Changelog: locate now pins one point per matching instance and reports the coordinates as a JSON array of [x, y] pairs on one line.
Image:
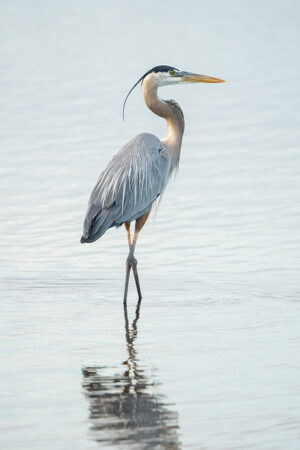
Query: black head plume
[[155, 69]]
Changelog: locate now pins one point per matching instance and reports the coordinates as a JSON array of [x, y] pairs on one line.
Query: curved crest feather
[[155, 69]]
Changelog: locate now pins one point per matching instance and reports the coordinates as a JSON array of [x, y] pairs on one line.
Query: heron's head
[[166, 75]]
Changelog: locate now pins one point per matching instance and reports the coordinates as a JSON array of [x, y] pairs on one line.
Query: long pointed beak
[[195, 78]]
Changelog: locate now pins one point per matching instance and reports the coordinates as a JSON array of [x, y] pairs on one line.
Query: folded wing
[[129, 185]]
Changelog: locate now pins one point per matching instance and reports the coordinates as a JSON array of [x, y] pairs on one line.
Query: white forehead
[[163, 78]]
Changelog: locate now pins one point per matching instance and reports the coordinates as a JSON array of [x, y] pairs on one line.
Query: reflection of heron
[[124, 410], [138, 174]]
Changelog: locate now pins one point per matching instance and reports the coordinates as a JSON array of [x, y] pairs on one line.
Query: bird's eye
[[171, 72]]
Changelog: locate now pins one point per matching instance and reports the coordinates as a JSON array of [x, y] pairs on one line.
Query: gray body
[[126, 189]]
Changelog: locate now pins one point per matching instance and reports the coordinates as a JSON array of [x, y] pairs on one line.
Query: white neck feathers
[[170, 111]]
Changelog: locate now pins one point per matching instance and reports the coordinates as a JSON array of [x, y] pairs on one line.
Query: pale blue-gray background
[[219, 263]]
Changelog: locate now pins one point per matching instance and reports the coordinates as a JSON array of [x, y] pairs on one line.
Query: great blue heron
[[140, 171]]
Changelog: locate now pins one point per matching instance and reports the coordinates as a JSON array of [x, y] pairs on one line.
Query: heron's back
[[126, 189]]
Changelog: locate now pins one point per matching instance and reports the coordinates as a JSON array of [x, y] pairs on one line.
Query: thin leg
[[127, 226], [136, 279], [128, 268], [131, 261]]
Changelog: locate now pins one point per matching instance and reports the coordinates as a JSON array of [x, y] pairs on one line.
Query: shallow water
[[211, 357]]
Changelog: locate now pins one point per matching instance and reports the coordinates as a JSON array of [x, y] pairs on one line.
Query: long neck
[[173, 117]]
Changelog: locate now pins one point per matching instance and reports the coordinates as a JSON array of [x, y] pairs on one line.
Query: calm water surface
[[210, 358]]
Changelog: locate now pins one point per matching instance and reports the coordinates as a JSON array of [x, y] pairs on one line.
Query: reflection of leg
[[132, 371], [134, 322], [137, 315]]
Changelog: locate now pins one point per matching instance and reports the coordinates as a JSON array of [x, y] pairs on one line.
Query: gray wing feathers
[[126, 189]]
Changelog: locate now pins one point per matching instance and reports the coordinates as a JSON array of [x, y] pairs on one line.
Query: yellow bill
[[195, 78]]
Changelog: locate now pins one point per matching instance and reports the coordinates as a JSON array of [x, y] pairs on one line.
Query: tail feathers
[[100, 223]]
